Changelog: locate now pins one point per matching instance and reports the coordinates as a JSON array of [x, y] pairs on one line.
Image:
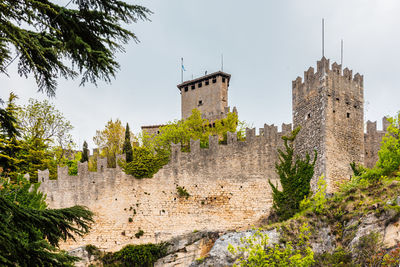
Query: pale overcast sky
[[266, 45]]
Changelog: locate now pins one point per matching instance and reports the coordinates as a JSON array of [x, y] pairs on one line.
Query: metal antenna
[[341, 52], [222, 62], [182, 69], [323, 37]]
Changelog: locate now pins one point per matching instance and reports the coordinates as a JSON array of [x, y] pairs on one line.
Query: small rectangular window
[[186, 89], [214, 80], [199, 85], [348, 115], [193, 87], [200, 102], [207, 82], [223, 79]]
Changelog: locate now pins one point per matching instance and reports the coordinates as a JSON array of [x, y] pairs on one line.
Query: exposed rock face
[[185, 249], [219, 254]]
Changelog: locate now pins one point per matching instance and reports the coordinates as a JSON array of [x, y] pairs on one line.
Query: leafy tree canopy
[[41, 120], [111, 140], [53, 41]]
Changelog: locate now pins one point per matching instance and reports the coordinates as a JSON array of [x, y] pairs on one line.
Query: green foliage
[[47, 36], [30, 233], [9, 131], [110, 140], [41, 120], [22, 192], [388, 163], [35, 155], [389, 154], [85, 152], [182, 192], [340, 257], [92, 250], [139, 233], [295, 175], [194, 128], [144, 163], [255, 251], [316, 203], [155, 150], [136, 255], [366, 248], [72, 163], [8, 120], [127, 147]]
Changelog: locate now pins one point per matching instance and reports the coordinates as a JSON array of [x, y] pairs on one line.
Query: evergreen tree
[[295, 175], [85, 152], [9, 144], [30, 233], [127, 148], [47, 36]]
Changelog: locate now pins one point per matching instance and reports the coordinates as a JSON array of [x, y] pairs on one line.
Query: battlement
[[222, 180], [372, 126], [372, 141], [327, 76], [269, 138]]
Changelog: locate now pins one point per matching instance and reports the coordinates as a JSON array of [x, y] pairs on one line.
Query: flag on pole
[[183, 67]]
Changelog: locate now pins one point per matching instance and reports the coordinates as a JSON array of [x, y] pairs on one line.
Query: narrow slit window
[[200, 85], [207, 82], [348, 115], [186, 89], [193, 87], [223, 79], [309, 115]]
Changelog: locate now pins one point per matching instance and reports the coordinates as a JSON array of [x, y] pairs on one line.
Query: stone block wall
[[328, 106], [228, 187], [372, 141]]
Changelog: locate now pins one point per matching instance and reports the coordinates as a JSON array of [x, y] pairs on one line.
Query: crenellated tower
[[328, 105]]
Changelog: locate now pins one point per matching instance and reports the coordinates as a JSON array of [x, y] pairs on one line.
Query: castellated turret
[[328, 105], [209, 94]]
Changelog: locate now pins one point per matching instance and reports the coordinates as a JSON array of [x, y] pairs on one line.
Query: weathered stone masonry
[[228, 185]]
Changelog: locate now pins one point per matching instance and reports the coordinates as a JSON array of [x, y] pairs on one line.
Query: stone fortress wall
[[228, 187], [228, 184]]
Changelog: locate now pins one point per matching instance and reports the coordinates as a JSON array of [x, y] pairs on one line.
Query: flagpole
[[182, 69]]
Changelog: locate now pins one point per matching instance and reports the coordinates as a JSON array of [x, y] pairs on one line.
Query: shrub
[[340, 257], [389, 154], [318, 201], [255, 251], [182, 192], [366, 250], [92, 250], [139, 234], [136, 255], [295, 175], [144, 163]]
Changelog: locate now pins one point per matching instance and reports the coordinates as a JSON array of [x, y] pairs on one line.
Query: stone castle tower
[[328, 105], [209, 94]]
